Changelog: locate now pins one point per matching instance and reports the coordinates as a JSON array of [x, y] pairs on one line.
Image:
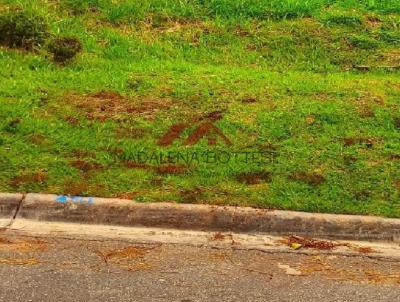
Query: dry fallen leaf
[[289, 270], [296, 246]]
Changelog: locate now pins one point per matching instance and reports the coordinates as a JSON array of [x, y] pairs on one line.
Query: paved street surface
[[49, 268]]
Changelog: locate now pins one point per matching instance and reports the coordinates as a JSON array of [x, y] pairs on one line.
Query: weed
[[252, 178], [85, 166], [22, 29], [64, 49]]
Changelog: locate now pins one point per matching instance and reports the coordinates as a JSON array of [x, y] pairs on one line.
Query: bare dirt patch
[[252, 178], [213, 116], [127, 195], [135, 165], [76, 187], [171, 169], [86, 166], [249, 100], [118, 152], [130, 132], [366, 111], [373, 22], [72, 120], [22, 246], [108, 95], [160, 169], [310, 178], [29, 177], [394, 157], [350, 141], [111, 105]]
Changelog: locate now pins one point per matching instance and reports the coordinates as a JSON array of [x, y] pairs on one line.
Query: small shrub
[[64, 49], [22, 30]]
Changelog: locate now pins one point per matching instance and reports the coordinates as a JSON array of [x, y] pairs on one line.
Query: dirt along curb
[[93, 210]]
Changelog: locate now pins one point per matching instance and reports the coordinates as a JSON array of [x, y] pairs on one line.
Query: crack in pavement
[[16, 211]]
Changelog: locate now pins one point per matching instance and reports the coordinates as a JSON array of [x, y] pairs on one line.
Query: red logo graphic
[[205, 129]]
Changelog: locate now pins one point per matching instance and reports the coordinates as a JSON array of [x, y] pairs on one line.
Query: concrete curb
[[9, 203], [46, 207]]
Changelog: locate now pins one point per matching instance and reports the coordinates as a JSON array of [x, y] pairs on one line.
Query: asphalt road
[[55, 269]]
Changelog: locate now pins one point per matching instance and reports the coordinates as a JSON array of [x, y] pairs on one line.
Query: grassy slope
[[336, 130]]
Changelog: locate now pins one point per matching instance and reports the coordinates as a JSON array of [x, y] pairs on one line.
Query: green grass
[[283, 74]]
